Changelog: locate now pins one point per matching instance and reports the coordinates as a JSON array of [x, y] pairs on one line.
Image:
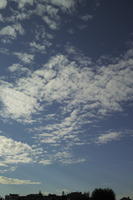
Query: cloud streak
[[108, 137], [14, 181]]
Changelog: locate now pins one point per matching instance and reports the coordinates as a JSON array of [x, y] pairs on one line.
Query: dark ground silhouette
[[97, 194]]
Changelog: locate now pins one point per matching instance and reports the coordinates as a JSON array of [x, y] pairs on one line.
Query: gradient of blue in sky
[[66, 96]]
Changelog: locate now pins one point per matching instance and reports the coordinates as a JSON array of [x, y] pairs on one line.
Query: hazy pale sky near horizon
[[66, 95]]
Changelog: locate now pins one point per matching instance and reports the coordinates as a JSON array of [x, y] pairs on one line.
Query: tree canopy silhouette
[[103, 194]]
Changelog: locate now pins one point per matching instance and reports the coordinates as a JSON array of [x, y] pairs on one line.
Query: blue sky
[[66, 96]]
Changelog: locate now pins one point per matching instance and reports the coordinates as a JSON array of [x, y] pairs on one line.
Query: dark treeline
[[97, 194]]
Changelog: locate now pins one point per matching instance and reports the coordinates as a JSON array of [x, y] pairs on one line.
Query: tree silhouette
[[125, 198], [97, 194], [78, 196], [103, 194]]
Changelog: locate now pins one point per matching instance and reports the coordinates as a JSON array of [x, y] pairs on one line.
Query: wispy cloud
[[25, 57], [108, 137], [45, 162], [86, 17], [18, 68], [7, 169], [51, 23], [14, 181], [67, 158], [37, 47], [64, 157]]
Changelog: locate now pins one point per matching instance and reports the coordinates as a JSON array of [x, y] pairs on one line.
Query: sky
[[66, 96]]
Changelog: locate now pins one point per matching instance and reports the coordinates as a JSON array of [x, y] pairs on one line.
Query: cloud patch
[[25, 57], [66, 96], [63, 4], [81, 94], [14, 181], [22, 3], [13, 152], [108, 137], [3, 4], [17, 104], [12, 30], [18, 68]]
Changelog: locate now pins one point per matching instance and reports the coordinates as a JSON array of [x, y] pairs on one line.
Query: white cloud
[[25, 57], [22, 3], [37, 46], [14, 181], [70, 92], [3, 4], [14, 67], [65, 131], [100, 92], [8, 30], [42, 39], [18, 67], [9, 169], [63, 4], [67, 158], [40, 9], [52, 11], [13, 152], [46, 9], [107, 137], [86, 95], [45, 162], [63, 157], [79, 95], [73, 161], [50, 22], [18, 16], [106, 87], [12, 31], [17, 104]]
